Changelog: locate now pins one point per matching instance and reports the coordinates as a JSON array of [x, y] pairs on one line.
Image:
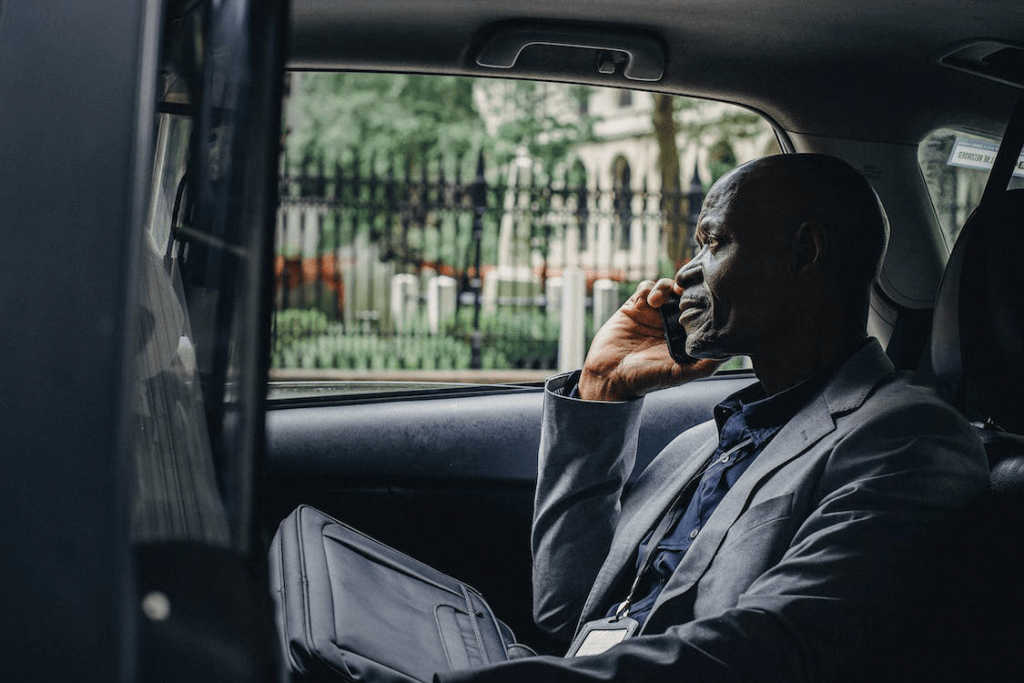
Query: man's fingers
[[654, 294], [643, 290], [660, 292]]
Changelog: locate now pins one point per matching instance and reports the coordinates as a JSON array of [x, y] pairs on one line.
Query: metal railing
[[455, 258]]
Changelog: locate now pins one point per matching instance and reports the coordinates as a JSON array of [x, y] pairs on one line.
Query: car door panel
[[449, 480]]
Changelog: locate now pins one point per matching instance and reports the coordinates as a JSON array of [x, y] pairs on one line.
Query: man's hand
[[629, 357]]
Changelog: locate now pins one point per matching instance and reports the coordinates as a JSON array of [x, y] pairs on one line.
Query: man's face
[[735, 296]]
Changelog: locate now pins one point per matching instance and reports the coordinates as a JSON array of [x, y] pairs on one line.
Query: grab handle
[[644, 55]]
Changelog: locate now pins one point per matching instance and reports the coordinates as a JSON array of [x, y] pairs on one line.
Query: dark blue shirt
[[747, 421]]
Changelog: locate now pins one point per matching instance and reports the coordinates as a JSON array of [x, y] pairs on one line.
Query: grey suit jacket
[[815, 566]]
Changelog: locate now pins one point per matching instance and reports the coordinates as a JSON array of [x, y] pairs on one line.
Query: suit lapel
[[813, 423], [844, 393], [681, 459], [650, 497]]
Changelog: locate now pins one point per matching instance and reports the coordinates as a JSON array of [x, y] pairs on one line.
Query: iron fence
[[450, 264]]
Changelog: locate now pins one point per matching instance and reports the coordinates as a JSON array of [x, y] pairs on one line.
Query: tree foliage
[[385, 115], [712, 126], [544, 121], [412, 117]]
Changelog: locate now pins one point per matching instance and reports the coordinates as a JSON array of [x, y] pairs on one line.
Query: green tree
[[544, 120], [419, 117], [721, 159], [709, 128], [404, 116], [663, 118]]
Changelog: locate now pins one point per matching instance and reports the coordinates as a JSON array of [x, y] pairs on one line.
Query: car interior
[[165, 465]]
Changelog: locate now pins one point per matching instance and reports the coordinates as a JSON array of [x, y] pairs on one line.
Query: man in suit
[[799, 534]]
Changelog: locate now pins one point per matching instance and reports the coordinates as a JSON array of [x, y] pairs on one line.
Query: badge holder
[[597, 636], [600, 634]]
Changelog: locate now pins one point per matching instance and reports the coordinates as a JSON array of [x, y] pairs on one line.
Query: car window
[[198, 372], [172, 448], [955, 165], [444, 229]]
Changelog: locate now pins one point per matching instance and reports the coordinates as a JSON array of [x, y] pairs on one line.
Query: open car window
[[438, 231]]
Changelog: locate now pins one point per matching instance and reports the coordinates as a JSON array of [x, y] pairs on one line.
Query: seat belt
[[1007, 156]]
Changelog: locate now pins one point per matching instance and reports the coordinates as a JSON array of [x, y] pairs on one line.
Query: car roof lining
[[779, 57]]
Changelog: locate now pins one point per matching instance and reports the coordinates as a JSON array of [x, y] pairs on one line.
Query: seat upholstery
[[977, 356], [977, 349]]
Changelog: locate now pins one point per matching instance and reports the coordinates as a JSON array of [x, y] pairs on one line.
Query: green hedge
[[510, 339], [373, 352]]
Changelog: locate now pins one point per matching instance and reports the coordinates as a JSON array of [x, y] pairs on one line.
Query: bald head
[[781, 193], [789, 247]]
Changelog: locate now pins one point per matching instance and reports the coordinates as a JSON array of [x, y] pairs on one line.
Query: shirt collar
[[759, 416]]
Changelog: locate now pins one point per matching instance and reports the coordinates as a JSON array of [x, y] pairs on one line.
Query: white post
[[441, 293], [606, 301], [489, 291], [404, 300], [571, 339], [554, 296], [362, 279], [382, 274], [293, 218]]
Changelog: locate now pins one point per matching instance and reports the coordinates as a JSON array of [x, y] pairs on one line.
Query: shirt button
[[725, 458], [693, 534]]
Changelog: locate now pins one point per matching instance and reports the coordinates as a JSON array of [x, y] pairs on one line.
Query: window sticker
[[979, 154]]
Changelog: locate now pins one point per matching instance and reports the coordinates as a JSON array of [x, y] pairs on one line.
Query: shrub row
[[510, 338]]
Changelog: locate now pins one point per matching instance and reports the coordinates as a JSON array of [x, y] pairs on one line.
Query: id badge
[[600, 634]]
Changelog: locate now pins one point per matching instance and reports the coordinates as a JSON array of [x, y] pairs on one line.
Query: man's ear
[[809, 250]]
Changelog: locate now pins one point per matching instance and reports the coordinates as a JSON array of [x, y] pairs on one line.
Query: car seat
[[977, 357]]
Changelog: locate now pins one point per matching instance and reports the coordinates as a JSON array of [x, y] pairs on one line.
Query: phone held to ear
[[675, 333]]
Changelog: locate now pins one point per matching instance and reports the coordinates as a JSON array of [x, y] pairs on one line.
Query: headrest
[[978, 326]]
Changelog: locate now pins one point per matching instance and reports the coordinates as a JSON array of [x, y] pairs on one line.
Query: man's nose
[[689, 274]]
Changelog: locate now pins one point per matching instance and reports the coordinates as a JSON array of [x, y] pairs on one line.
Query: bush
[[510, 339], [295, 324], [517, 338], [337, 350]]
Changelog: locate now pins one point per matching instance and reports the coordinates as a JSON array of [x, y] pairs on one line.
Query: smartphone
[[675, 333]]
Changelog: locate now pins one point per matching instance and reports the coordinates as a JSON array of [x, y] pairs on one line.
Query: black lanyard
[[668, 520]]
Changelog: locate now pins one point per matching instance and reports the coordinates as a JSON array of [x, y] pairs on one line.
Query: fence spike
[[479, 192], [479, 208], [441, 194], [424, 193]]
